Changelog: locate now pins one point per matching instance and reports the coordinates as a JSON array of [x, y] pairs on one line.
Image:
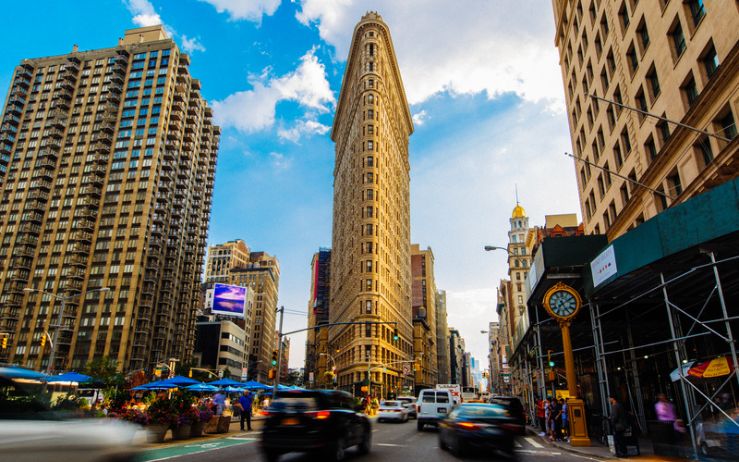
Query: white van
[[433, 405]]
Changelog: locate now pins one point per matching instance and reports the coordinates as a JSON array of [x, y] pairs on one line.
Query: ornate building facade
[[370, 259]]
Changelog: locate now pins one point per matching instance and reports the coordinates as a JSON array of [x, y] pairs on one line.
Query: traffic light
[[549, 358], [395, 334], [271, 374], [4, 342], [189, 374], [43, 340], [551, 363], [274, 358]]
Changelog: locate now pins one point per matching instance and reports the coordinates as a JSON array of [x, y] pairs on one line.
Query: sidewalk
[[598, 451], [233, 431]]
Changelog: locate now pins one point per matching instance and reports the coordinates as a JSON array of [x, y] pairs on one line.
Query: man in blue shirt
[[245, 400]]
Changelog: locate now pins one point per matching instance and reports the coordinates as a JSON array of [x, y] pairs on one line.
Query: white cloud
[[302, 127], [485, 46], [250, 10], [143, 13], [191, 45], [419, 117], [279, 161], [254, 110]]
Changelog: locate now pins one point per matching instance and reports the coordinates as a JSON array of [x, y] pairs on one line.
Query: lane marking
[[533, 443], [518, 444], [391, 445], [538, 453], [171, 452]]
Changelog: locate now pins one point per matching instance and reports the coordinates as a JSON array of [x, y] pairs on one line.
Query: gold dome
[[518, 212]]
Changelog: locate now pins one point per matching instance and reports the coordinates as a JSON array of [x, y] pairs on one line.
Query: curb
[[534, 432]]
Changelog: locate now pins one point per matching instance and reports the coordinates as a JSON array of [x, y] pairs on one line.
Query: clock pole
[[569, 360]]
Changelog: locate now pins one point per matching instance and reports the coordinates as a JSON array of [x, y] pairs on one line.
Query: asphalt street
[[391, 442]]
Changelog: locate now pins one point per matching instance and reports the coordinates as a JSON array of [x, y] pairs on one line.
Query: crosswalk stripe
[[518, 444], [533, 443]]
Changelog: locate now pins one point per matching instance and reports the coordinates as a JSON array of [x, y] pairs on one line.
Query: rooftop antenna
[[516, 186]]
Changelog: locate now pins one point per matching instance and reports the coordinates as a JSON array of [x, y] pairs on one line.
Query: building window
[[689, 90], [660, 199], [710, 61], [653, 80], [625, 142], [677, 38], [697, 10], [624, 195], [726, 125], [673, 182], [641, 103], [632, 59], [623, 16], [650, 148], [664, 130], [643, 35], [703, 146]]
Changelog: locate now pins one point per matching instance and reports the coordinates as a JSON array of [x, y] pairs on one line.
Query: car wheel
[[366, 444], [419, 426], [270, 456], [457, 447], [442, 443], [335, 452]]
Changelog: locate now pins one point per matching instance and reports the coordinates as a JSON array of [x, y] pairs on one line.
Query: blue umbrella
[[233, 389], [202, 387], [141, 388], [69, 377], [179, 381], [225, 383], [252, 385], [156, 385], [15, 372]]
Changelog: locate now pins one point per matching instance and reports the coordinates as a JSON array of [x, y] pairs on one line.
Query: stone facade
[[424, 317], [442, 339], [370, 259], [678, 60]]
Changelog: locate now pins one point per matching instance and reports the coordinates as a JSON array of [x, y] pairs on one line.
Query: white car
[[392, 410]]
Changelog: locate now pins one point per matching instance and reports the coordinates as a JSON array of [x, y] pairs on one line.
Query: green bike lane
[[185, 448]]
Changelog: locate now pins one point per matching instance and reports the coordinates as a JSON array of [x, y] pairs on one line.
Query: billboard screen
[[229, 300]]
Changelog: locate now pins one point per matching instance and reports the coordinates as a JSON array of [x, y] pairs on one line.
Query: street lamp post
[[60, 319]]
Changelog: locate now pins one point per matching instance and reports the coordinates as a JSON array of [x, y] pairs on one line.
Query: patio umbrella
[[204, 387], [233, 389], [716, 367], [180, 381], [75, 377], [252, 385], [15, 372], [225, 383], [156, 385]]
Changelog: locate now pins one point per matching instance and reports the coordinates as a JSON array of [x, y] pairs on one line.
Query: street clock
[[562, 302]]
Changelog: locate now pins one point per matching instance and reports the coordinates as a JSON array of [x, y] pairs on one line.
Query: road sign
[[406, 369]]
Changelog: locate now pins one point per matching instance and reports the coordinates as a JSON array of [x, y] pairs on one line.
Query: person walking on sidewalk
[[565, 420], [618, 424], [540, 415], [246, 401]]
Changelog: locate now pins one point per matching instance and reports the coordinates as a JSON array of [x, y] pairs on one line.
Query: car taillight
[[468, 426], [264, 413], [320, 415], [511, 427]]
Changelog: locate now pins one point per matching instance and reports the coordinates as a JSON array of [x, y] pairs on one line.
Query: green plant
[[162, 412]]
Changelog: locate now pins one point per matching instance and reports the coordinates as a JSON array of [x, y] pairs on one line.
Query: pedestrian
[[246, 401], [557, 420], [565, 419], [375, 405], [540, 415], [618, 424], [219, 400]]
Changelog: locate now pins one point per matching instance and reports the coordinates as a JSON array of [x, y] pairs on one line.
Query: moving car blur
[[479, 427], [515, 410], [30, 431], [392, 410], [410, 403], [321, 422]]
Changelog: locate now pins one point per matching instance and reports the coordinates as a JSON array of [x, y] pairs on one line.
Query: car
[[392, 410], [321, 422], [30, 431], [515, 408], [433, 405], [410, 403], [479, 426]]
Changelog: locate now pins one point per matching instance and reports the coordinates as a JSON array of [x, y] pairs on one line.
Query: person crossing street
[[246, 401]]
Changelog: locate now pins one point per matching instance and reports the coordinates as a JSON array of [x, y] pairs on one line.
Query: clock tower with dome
[[519, 262]]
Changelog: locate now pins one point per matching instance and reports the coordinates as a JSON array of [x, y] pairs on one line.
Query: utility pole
[[279, 353]]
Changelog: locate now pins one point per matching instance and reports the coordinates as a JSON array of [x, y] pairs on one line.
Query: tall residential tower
[[370, 258], [109, 158]]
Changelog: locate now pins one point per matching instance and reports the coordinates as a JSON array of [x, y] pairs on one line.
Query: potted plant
[[133, 415], [204, 416], [182, 402], [161, 415]]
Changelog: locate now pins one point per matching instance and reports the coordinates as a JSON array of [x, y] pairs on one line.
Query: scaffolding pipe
[[602, 388], [542, 385], [679, 365], [635, 374], [726, 315]]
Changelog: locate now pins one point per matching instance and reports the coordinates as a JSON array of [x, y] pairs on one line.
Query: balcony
[[84, 224], [81, 236], [76, 260], [71, 284], [100, 147], [33, 217], [23, 72], [41, 184], [11, 119], [62, 93]]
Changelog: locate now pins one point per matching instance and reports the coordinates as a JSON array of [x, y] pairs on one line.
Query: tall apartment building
[[262, 274], [456, 356], [505, 331], [110, 158], [494, 356], [442, 339], [370, 258], [318, 358], [224, 257], [674, 59], [424, 317], [519, 261]]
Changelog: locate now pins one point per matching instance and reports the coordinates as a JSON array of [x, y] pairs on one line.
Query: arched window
[[517, 263]]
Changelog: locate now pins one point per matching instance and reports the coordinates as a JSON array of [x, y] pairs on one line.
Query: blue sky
[[485, 92]]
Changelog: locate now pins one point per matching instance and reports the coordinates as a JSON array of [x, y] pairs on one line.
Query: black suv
[[515, 409], [322, 422]]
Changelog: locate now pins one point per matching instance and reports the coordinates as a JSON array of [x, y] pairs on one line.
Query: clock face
[[562, 303]]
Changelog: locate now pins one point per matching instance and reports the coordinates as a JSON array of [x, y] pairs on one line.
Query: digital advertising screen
[[229, 300]]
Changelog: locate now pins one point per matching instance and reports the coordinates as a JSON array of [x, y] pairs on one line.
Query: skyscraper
[[424, 317], [224, 257], [110, 158], [370, 257], [678, 60], [442, 339], [318, 358]]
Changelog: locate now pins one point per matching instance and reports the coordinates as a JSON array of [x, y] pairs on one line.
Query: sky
[[484, 86]]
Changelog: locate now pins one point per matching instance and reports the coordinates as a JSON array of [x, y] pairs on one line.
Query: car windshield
[[294, 404]]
